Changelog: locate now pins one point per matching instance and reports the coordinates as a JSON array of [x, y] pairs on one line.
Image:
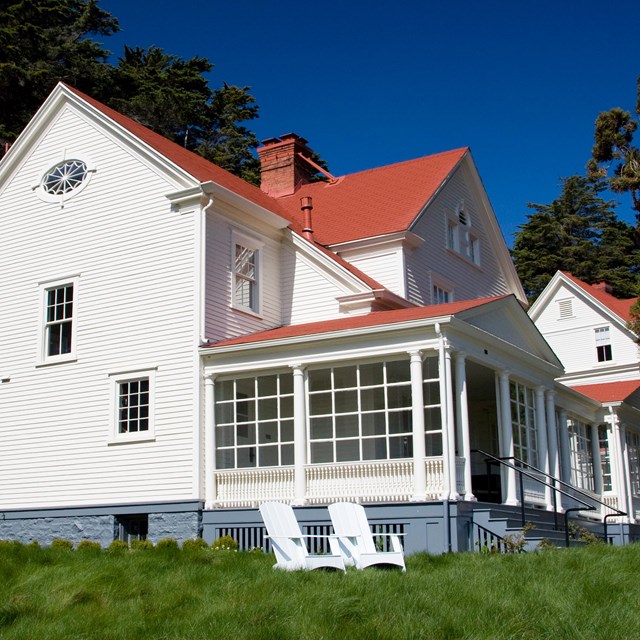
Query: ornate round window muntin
[[64, 177]]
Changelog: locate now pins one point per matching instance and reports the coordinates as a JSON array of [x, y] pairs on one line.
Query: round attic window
[[64, 177]]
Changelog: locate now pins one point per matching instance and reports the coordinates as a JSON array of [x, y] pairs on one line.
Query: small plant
[[118, 546], [516, 542], [546, 545], [167, 545], [194, 546], [62, 544], [582, 534], [141, 545], [225, 543], [89, 546]]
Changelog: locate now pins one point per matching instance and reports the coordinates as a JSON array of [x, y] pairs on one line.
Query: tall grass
[[565, 594]]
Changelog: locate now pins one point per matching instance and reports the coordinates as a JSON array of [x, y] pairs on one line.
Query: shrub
[[141, 545], [167, 545], [196, 545], [89, 546], [62, 545], [225, 543], [118, 546]]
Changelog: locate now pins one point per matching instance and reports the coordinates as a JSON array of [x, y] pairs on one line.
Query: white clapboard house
[[178, 346]]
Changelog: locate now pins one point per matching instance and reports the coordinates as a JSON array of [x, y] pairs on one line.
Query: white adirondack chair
[[288, 542], [356, 540]]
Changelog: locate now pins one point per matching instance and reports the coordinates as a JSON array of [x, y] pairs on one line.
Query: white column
[[565, 453], [462, 422], [552, 435], [450, 448], [627, 475], [543, 449], [510, 494], [616, 457], [299, 436], [597, 461], [209, 443], [417, 415]]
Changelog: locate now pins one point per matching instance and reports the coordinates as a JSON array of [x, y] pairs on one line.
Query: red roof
[[620, 307], [609, 391], [374, 202], [376, 318]]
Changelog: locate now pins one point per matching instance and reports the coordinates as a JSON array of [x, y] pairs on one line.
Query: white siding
[[468, 280], [573, 337], [384, 266], [134, 258]]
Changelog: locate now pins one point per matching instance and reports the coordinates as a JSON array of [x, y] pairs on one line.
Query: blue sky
[[373, 82]]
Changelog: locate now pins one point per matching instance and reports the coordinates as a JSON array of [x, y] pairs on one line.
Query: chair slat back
[[350, 520]]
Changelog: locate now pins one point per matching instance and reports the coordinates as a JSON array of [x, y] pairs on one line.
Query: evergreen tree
[[614, 156], [580, 233]]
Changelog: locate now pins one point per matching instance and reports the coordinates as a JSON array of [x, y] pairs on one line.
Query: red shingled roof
[[377, 318], [609, 391], [374, 202], [620, 307]]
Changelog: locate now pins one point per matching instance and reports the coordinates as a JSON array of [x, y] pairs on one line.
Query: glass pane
[[246, 434], [268, 432], [286, 383], [267, 386], [398, 397], [224, 390], [286, 407], [433, 444], [347, 450], [320, 404], [347, 426], [371, 374], [268, 456], [224, 436], [373, 424], [246, 457], [344, 377], [321, 452], [346, 401], [286, 431], [401, 447], [268, 409], [431, 392], [286, 454], [374, 449], [224, 412], [245, 388], [432, 419], [224, 459], [372, 399], [321, 428], [320, 379], [398, 371], [400, 422], [245, 410]]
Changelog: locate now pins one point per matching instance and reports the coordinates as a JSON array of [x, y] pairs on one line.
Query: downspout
[[203, 271]]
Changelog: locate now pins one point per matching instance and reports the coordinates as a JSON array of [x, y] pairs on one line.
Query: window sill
[[464, 258], [52, 362], [129, 439], [248, 312]]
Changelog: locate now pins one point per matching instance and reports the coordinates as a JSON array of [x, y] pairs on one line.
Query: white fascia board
[[328, 336], [547, 295], [400, 238], [348, 279], [575, 402]]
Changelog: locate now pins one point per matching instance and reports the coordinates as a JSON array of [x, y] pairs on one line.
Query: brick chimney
[[282, 169], [603, 286]]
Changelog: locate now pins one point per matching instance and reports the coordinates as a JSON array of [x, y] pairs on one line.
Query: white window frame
[[459, 235], [44, 325], [441, 295], [581, 455], [60, 199], [257, 247], [602, 337], [633, 455], [116, 379], [523, 423]]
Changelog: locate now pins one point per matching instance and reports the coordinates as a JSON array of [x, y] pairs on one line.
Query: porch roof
[[376, 318], [609, 391]]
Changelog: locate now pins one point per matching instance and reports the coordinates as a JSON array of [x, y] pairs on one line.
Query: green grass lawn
[[47, 594]]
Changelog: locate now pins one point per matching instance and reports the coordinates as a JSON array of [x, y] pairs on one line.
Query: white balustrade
[[460, 486], [435, 478], [250, 487], [534, 492]]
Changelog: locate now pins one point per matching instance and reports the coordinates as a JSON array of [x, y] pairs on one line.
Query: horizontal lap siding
[[135, 309], [469, 282], [383, 266]]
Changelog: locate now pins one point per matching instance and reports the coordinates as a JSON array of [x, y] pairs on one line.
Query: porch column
[[510, 494], [552, 434], [627, 475], [462, 422], [543, 449], [209, 443], [616, 457], [597, 461], [565, 453], [417, 415], [299, 436], [450, 435]]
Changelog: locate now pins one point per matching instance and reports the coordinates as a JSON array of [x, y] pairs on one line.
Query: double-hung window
[[133, 398], [603, 344], [59, 319], [246, 274]]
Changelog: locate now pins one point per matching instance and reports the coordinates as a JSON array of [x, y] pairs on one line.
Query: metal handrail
[[586, 506]]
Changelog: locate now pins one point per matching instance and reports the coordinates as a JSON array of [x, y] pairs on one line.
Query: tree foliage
[[578, 232], [614, 156]]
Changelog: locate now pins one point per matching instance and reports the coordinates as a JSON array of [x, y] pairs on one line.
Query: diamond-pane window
[[64, 177]]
